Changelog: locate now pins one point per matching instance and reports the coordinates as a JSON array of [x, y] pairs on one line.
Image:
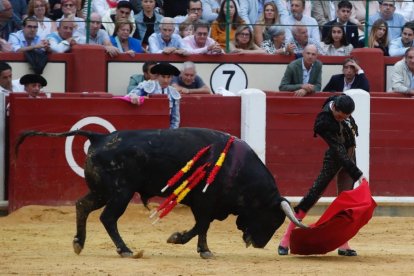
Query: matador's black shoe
[[283, 250], [347, 252]]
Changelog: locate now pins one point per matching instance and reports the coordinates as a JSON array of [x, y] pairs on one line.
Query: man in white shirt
[[403, 75], [6, 83], [298, 18]]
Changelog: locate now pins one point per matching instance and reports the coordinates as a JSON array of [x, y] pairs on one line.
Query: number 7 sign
[[229, 76]]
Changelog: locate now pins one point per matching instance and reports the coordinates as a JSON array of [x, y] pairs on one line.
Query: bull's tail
[[88, 134]]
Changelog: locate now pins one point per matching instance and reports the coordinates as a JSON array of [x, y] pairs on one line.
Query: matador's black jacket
[[340, 136]]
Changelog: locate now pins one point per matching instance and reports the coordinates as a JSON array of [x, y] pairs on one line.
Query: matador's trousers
[[331, 168]]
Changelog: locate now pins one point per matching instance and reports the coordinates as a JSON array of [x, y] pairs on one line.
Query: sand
[[37, 240]]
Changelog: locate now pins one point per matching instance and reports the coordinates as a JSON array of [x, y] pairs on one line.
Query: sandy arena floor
[[37, 240]]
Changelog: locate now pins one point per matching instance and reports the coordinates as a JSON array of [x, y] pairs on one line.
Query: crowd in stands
[[236, 26], [185, 27]]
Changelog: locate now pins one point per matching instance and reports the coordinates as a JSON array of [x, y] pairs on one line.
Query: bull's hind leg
[[84, 207], [114, 209]]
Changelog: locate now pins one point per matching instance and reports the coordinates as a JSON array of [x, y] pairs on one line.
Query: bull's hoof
[[207, 255], [125, 253], [77, 247], [175, 238]]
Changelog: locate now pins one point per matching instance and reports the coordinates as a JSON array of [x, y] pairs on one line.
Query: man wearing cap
[[33, 84], [123, 11], [6, 83], [161, 85]]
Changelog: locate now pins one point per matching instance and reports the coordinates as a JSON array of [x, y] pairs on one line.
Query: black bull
[[122, 163]]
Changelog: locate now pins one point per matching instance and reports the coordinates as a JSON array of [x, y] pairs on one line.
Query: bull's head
[[259, 225]]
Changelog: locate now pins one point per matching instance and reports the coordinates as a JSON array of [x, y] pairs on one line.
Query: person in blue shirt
[[167, 42], [394, 20], [122, 40], [27, 38]]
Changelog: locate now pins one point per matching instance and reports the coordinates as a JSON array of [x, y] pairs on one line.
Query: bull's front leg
[[186, 236]]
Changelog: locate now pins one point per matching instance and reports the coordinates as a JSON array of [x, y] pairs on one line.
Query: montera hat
[[164, 68], [33, 78]]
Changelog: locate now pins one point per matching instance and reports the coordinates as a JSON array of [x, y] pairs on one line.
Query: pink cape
[[348, 213]]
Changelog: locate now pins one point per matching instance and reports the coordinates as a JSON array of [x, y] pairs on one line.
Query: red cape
[[348, 213]]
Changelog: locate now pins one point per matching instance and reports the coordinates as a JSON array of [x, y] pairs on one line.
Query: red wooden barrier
[[41, 174]]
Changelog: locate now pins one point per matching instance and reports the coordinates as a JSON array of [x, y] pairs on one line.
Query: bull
[[122, 163]]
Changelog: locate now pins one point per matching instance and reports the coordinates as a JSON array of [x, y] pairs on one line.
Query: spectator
[[394, 20], [33, 84], [399, 45], [12, 12], [218, 27], [27, 39], [173, 8], [5, 47], [99, 36], [307, 11], [343, 14], [335, 44], [136, 79], [166, 41], [352, 77], [188, 82], [297, 17], [276, 43], [122, 12], [405, 8], [270, 16], [402, 76], [185, 29], [6, 12], [69, 12], [165, 73], [301, 39], [102, 6], [19, 9], [55, 11], [323, 11], [39, 9], [303, 76], [200, 43], [243, 42], [147, 21], [378, 36], [6, 83], [359, 13], [211, 9], [63, 40], [194, 12], [250, 10], [122, 41]]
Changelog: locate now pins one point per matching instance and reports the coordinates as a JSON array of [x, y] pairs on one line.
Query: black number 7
[[231, 73]]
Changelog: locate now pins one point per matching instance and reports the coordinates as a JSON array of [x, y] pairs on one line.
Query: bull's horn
[[291, 215]]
